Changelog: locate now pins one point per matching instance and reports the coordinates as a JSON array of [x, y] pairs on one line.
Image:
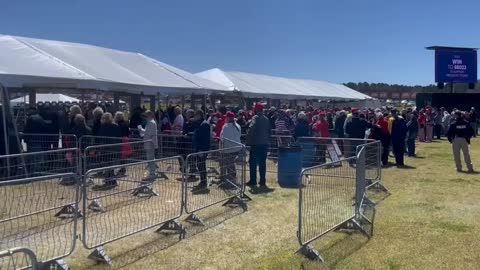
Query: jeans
[[258, 157], [411, 147], [228, 169], [438, 131], [201, 160], [151, 164]]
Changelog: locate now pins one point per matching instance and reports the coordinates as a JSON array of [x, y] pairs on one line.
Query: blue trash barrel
[[309, 150], [289, 166]]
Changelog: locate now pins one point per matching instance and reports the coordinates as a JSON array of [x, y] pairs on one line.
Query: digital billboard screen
[[455, 66]]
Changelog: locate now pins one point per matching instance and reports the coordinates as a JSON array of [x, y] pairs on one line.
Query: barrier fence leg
[[95, 206], [173, 226], [311, 253], [100, 255], [69, 211], [236, 201], [57, 265], [144, 191], [194, 219]]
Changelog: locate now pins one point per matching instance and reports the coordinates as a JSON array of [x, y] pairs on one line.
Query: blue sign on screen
[[455, 66]]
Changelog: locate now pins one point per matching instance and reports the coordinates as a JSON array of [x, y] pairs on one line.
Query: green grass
[[431, 221]]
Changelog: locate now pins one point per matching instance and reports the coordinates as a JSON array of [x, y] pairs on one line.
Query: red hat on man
[[230, 115], [258, 107], [354, 110]]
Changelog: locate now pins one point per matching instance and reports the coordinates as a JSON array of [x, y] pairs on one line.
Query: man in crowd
[[459, 134], [258, 138], [201, 143], [473, 121], [398, 135], [149, 135], [355, 128]]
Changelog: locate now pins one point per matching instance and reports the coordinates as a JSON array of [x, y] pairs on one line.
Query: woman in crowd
[[122, 124], [231, 145], [178, 122], [302, 129]]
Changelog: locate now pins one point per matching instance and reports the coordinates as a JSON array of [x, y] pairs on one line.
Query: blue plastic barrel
[[289, 166], [309, 150]]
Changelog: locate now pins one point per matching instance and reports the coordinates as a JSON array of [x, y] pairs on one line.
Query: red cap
[[354, 110], [322, 114], [258, 107], [230, 115]]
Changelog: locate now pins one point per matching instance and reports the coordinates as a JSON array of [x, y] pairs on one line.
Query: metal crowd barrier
[[34, 164], [40, 214], [35, 142], [331, 197], [18, 258], [137, 202], [222, 175], [111, 154], [174, 145]]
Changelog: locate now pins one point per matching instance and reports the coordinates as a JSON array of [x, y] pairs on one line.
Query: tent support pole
[[32, 97]]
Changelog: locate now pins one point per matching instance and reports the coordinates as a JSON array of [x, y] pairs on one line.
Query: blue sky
[[338, 41]]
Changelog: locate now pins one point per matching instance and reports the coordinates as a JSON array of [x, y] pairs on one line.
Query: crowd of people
[[397, 130]]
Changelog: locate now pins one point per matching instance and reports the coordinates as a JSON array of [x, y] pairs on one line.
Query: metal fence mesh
[[29, 215], [327, 197], [136, 203], [106, 155], [17, 258], [43, 142], [222, 170], [35, 164]]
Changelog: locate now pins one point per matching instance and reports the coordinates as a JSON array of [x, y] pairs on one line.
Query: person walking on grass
[[459, 134], [258, 138], [149, 135]]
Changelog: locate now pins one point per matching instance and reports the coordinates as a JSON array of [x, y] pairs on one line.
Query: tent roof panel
[[258, 85]]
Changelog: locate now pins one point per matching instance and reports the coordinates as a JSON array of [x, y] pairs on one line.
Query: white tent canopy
[[28, 62], [45, 98], [264, 86]]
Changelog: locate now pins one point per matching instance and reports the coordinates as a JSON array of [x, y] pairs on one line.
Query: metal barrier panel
[[327, 199], [222, 173], [106, 155], [40, 214], [34, 164], [33, 142], [88, 140], [147, 195], [373, 162], [18, 258], [170, 145]]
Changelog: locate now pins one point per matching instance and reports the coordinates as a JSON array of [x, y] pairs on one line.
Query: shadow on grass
[[406, 167], [346, 245], [469, 173], [211, 217]]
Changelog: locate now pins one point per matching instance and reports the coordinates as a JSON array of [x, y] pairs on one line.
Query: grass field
[[429, 222]]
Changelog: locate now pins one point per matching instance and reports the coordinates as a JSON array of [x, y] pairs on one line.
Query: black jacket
[[399, 129], [202, 137], [36, 125], [356, 128], [302, 129], [124, 129], [339, 123], [460, 128]]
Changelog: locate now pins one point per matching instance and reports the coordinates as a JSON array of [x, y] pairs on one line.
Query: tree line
[[366, 87]]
